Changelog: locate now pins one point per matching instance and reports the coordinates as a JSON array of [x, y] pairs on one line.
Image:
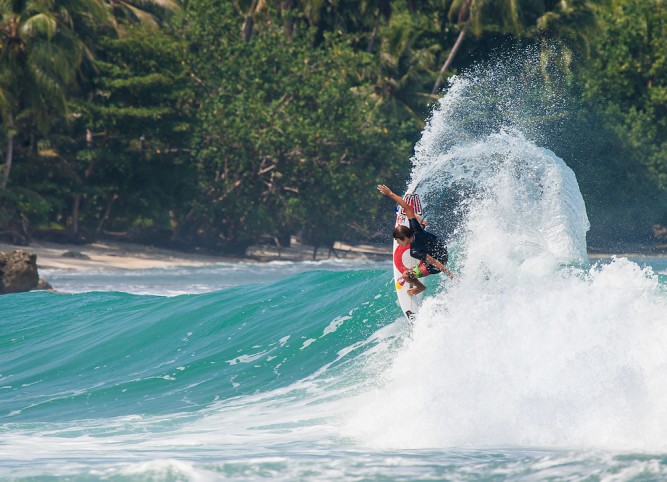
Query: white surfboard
[[402, 261]]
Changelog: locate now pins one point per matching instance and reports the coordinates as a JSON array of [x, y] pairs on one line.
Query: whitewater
[[536, 364]]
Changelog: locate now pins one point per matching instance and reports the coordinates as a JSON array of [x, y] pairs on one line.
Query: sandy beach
[[135, 256], [108, 255]]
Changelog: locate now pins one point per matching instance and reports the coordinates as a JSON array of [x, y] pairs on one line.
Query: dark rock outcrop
[[75, 255], [18, 272], [43, 285]]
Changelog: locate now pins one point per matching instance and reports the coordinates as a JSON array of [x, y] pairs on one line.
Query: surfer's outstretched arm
[[434, 262], [385, 191], [410, 213]]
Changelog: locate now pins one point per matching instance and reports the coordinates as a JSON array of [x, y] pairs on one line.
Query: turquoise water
[[536, 364], [318, 377], [67, 357]]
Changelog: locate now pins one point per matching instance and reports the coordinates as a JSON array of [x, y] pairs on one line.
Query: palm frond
[[16, 193], [173, 5], [40, 24], [141, 15], [514, 15], [455, 10]]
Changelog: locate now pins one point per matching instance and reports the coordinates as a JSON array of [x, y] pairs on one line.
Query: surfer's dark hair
[[403, 232]]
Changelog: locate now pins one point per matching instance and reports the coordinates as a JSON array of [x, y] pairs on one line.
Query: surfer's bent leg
[[416, 287]]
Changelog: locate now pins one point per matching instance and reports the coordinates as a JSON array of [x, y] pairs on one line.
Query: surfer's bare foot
[[417, 287], [416, 290]]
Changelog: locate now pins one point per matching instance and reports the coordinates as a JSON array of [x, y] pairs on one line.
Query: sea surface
[[308, 371], [535, 364]]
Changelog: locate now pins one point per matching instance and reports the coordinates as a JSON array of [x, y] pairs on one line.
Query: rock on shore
[[18, 272]]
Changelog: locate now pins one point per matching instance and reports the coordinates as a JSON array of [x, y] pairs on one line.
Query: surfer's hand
[[451, 275], [384, 190]]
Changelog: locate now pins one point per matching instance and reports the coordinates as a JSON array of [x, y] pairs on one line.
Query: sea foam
[[531, 346]]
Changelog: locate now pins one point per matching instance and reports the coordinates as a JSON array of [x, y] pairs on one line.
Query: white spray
[[532, 346]]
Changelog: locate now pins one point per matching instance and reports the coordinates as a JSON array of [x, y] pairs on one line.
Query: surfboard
[[403, 261]]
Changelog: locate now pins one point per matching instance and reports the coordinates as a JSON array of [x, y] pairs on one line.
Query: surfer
[[424, 246]]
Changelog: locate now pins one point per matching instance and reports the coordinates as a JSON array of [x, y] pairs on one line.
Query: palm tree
[[351, 16], [475, 15], [563, 21], [145, 11], [465, 18], [402, 63], [573, 23], [377, 9], [40, 53]]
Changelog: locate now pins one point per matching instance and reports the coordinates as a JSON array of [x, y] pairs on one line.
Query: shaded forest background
[[220, 123]]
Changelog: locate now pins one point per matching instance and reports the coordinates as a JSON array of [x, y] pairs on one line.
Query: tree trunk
[[107, 213], [371, 42], [177, 234], [76, 206], [10, 152], [286, 7], [249, 22], [75, 213], [464, 14], [450, 57]]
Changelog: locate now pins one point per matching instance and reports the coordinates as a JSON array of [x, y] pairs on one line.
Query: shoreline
[[124, 255], [634, 255]]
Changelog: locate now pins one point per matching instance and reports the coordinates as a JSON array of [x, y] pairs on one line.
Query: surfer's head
[[403, 235]]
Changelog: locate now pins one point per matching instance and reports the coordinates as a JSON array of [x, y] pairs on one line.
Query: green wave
[[66, 357]]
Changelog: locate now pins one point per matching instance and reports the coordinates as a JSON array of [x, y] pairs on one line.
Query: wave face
[[121, 354], [535, 364]]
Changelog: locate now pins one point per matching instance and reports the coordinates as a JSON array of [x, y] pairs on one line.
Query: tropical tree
[[148, 12], [477, 16], [574, 23], [40, 53], [287, 134], [378, 10], [403, 62], [126, 149], [627, 75], [464, 20], [569, 22]]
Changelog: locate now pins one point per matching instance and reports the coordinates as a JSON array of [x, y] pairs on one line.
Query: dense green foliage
[[284, 143], [626, 79], [222, 123], [632, 78]]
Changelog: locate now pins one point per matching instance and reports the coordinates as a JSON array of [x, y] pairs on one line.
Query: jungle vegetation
[[217, 124]]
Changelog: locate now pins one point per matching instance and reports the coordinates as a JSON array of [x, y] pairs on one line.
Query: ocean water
[[536, 364]]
